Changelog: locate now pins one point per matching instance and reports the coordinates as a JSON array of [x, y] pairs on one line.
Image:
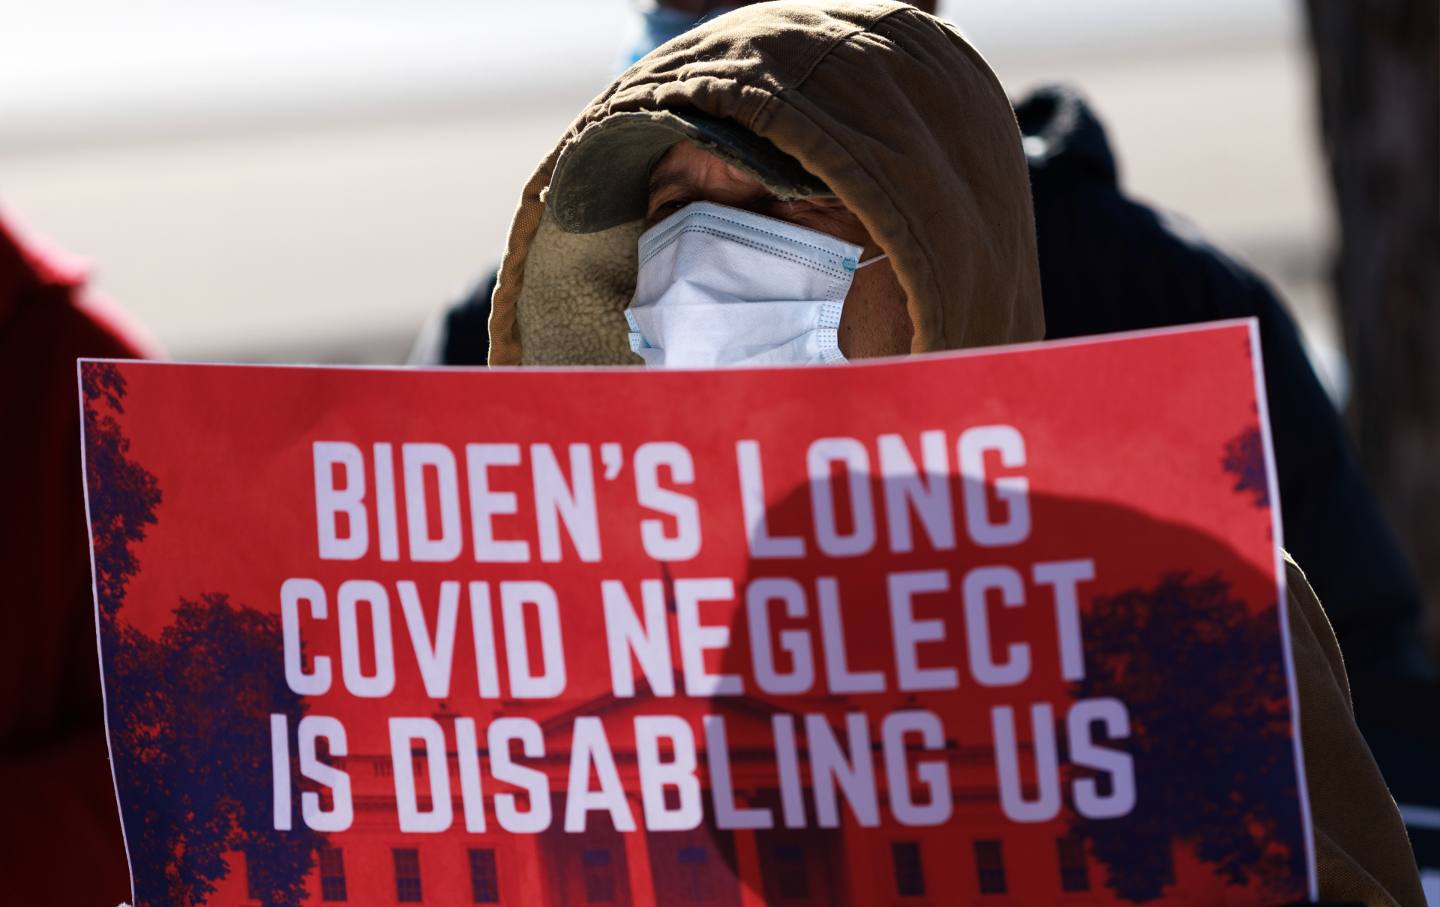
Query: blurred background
[[308, 181], [312, 180]]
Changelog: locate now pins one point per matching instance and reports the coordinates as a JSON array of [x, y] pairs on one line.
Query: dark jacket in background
[[1108, 263]]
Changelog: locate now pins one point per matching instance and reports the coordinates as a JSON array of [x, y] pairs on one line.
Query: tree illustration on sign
[[1214, 768], [188, 711]]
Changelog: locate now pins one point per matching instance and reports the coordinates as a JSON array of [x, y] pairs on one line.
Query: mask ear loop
[[851, 264]]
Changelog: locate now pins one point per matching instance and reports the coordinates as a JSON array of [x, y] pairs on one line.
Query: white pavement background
[[309, 180]]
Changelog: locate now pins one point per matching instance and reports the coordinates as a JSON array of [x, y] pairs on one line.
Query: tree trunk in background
[[1378, 72]]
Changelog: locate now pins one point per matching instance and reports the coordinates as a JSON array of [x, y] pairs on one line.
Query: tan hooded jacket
[[904, 121]]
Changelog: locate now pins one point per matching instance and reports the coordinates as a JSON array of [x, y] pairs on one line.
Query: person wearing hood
[[1109, 263], [862, 162]]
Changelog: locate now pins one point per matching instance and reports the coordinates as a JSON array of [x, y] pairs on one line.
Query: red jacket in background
[[61, 840]]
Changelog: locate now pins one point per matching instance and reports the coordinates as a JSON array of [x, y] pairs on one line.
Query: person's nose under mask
[[720, 286]]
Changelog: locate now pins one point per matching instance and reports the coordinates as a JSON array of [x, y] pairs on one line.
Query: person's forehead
[[686, 163]]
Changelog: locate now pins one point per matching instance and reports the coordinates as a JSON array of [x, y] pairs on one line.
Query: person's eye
[[667, 207]]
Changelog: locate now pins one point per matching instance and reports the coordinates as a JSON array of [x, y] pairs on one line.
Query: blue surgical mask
[[662, 23], [719, 286]]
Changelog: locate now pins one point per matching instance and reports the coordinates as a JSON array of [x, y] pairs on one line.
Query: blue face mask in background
[[661, 23]]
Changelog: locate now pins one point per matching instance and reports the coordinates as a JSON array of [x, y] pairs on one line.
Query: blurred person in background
[[1110, 263], [62, 843], [895, 146]]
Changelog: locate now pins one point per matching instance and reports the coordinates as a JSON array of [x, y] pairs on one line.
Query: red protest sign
[[1003, 622]]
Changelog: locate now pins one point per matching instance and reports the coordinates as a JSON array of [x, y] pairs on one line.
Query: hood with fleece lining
[[887, 106]]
